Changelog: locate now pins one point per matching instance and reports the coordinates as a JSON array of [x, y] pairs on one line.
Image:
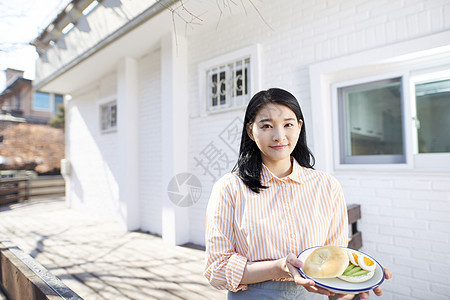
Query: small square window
[[228, 85], [108, 116], [371, 123]]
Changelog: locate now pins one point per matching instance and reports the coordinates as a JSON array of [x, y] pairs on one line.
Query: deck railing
[[22, 277], [18, 189]]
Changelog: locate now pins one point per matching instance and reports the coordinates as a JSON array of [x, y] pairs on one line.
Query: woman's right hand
[[290, 264]]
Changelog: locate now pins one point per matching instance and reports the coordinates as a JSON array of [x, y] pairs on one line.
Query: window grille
[[108, 116], [228, 85]]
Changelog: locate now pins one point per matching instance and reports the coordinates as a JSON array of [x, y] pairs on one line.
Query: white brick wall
[[405, 219], [203, 132], [94, 155], [150, 140], [405, 224]]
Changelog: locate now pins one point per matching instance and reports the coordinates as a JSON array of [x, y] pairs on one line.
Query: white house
[[156, 95]]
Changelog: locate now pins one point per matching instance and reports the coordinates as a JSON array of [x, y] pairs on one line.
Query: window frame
[[254, 76], [107, 101], [229, 76], [380, 161], [50, 102], [407, 59], [425, 160]]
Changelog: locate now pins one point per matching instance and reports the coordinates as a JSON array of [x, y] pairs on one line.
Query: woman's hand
[[290, 264], [378, 290]]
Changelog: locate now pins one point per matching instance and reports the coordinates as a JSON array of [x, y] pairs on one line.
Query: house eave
[[45, 84]]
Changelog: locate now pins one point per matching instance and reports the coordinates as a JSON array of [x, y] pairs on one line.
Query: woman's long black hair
[[249, 163]]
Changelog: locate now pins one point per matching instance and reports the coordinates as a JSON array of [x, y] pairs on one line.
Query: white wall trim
[[175, 134]]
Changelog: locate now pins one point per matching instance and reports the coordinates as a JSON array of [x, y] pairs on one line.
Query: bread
[[326, 262]]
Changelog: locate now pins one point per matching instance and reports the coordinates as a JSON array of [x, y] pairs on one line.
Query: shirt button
[[293, 236]]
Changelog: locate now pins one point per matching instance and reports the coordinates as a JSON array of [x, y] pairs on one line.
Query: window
[[371, 118], [228, 85], [57, 102], [47, 102], [41, 101], [385, 108], [371, 122], [432, 116], [108, 116], [228, 81]]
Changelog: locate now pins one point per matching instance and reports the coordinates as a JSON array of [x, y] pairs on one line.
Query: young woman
[[271, 207]]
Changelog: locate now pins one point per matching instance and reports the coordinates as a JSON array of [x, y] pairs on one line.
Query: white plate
[[339, 286]]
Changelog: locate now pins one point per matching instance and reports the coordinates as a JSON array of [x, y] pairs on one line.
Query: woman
[[272, 206]]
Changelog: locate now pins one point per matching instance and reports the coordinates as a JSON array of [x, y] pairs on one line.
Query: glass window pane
[[433, 114], [113, 111], [58, 101], [371, 122], [214, 92], [108, 116], [223, 86], [41, 101], [104, 117]]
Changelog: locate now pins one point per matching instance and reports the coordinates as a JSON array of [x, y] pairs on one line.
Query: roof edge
[[146, 15]]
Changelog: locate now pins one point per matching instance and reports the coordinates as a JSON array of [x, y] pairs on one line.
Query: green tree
[[58, 121]]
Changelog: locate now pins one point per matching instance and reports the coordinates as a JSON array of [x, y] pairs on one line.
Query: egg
[[352, 257], [366, 263]]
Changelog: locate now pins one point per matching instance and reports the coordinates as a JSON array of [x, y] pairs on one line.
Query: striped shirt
[[302, 210]]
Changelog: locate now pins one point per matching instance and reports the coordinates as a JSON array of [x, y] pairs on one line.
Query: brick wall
[[405, 215], [94, 174], [150, 142], [405, 224]]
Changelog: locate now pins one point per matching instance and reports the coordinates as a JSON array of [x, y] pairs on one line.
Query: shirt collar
[[296, 174]]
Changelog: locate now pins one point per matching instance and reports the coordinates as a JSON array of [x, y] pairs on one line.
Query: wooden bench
[[354, 214], [18, 189], [21, 277], [355, 239]]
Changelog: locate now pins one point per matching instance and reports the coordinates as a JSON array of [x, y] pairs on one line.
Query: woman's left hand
[[378, 290]]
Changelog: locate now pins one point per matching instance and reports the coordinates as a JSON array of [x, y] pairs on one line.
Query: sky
[[21, 21]]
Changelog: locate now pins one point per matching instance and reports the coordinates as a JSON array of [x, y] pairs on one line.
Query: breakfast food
[[361, 267], [345, 264], [326, 262]]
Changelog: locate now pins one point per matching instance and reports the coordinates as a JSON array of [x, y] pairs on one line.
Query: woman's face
[[276, 131]]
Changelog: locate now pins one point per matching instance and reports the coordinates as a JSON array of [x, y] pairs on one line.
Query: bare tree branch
[[259, 13], [194, 19]]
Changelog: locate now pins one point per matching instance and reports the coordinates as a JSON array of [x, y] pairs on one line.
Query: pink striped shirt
[[302, 210]]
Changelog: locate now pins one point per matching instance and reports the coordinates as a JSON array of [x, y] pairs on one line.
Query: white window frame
[[425, 160], [408, 59], [338, 147], [254, 76], [102, 102]]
